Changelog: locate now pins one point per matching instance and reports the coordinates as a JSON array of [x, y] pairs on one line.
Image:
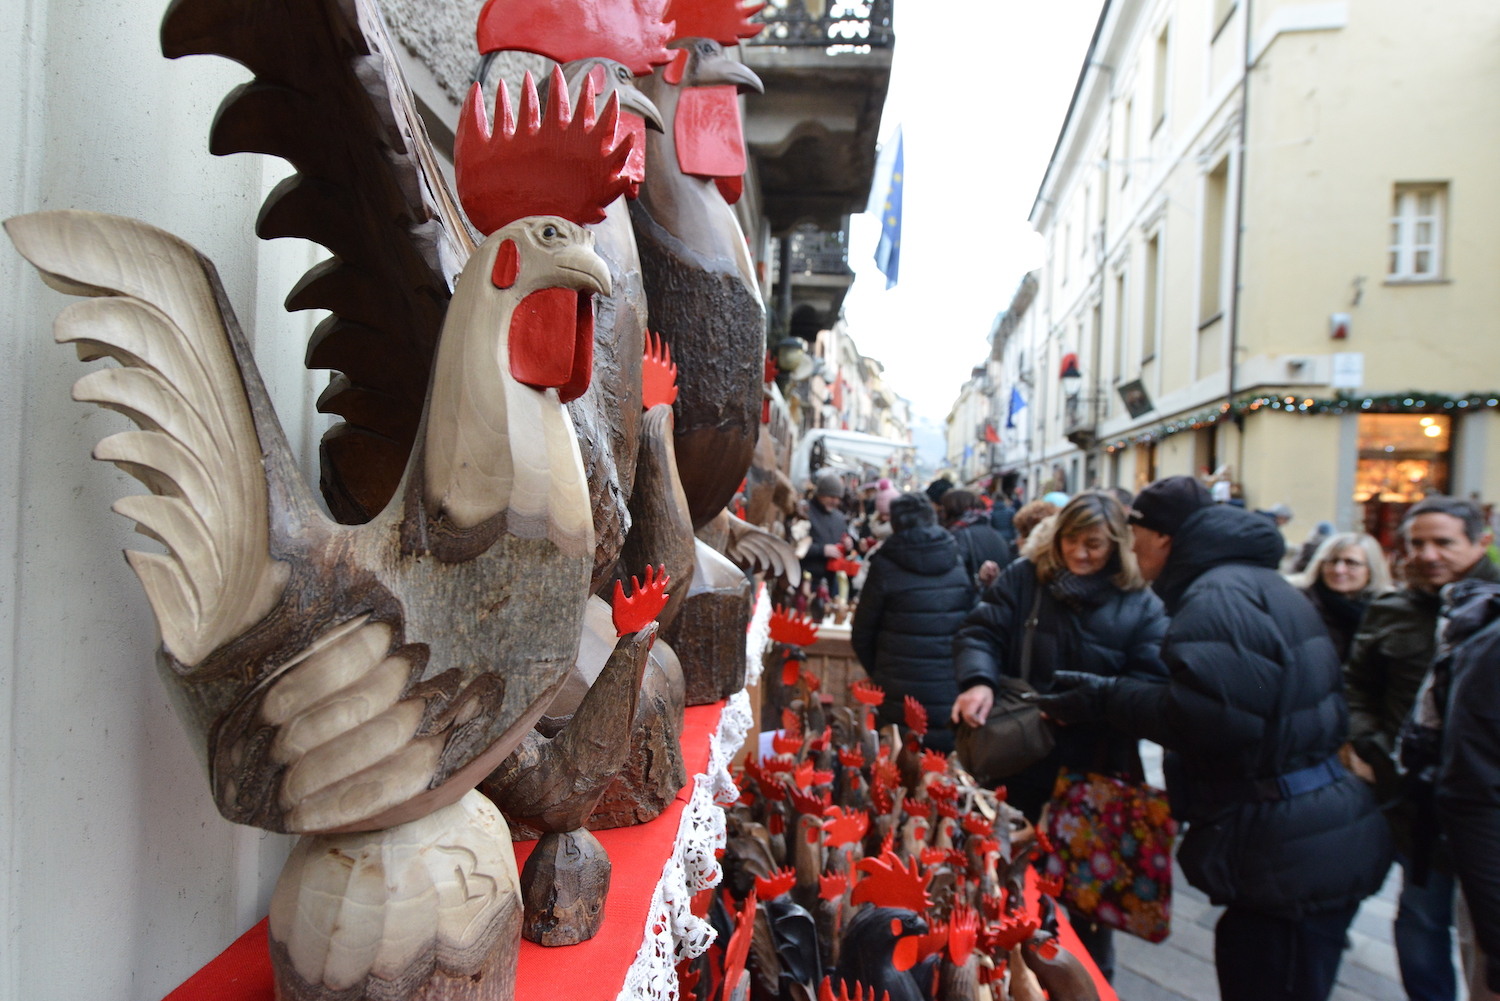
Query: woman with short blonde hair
[[1078, 592], [1344, 574]]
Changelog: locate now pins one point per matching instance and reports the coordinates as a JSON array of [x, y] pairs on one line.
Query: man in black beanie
[[1254, 714]]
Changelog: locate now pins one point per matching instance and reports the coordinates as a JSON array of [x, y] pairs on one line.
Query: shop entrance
[[1402, 459]]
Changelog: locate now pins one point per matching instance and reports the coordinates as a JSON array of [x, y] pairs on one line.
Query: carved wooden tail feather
[[157, 308], [329, 97], [427, 911]]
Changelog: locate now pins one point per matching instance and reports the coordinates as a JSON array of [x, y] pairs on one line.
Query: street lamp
[[1069, 375], [793, 360]]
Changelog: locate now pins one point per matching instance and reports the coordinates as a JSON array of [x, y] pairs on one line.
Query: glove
[[1076, 697]]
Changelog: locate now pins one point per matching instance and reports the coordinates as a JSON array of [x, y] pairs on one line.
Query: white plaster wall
[[120, 879]]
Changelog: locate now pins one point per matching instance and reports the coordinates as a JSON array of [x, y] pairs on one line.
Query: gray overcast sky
[[979, 88]]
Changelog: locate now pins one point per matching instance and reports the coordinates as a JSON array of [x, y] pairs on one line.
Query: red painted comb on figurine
[[634, 613], [658, 373], [559, 164], [725, 21], [889, 884], [845, 827], [779, 882], [793, 628], [827, 993], [867, 692], [633, 32], [916, 717]]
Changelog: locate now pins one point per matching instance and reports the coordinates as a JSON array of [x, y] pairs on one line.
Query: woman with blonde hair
[[1078, 592], [1344, 574]]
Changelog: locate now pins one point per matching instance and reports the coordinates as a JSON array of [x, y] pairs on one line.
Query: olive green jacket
[[1390, 656]]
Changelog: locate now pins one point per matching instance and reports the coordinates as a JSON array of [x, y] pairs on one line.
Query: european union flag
[[1017, 404], [888, 253]]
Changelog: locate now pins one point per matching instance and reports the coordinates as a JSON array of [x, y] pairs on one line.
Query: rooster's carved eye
[[622, 72], [549, 232]]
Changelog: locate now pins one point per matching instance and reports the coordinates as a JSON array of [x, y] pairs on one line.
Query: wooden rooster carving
[[355, 683], [700, 281]]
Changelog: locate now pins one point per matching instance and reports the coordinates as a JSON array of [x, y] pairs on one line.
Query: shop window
[[1402, 459]]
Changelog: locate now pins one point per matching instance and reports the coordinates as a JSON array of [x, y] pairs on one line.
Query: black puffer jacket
[[1468, 780], [1255, 694], [1120, 636], [978, 543], [915, 597]]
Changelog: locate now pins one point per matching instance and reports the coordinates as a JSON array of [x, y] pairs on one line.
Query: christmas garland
[[1412, 402]]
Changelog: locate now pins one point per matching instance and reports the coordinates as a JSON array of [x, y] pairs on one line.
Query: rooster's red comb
[[963, 929], [844, 827], [738, 949], [658, 373], [827, 993], [832, 887], [725, 21], [977, 825], [633, 32], [564, 165], [867, 692], [785, 743], [779, 882], [808, 802], [888, 884], [792, 628], [934, 761], [852, 758], [634, 613], [916, 717]]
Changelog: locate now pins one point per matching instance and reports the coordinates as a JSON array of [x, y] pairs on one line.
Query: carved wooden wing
[[329, 97], [156, 307]]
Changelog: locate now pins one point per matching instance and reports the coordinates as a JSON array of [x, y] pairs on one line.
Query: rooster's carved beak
[[581, 268], [637, 103]]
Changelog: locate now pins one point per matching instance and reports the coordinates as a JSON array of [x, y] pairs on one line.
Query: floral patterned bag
[[1112, 843]]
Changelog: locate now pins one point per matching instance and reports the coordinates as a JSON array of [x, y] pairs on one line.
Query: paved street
[[1182, 967]]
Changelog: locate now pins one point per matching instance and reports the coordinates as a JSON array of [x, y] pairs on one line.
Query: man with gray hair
[[1445, 540]]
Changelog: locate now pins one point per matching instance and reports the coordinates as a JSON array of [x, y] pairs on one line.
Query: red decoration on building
[[566, 165], [658, 373], [633, 32], [1069, 367]]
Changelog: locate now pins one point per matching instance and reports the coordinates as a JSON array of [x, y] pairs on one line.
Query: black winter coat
[[1122, 636], [915, 597], [1468, 786], [1255, 694], [978, 542]]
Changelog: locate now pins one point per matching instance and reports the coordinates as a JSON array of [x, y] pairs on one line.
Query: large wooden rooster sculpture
[[354, 683], [700, 280]]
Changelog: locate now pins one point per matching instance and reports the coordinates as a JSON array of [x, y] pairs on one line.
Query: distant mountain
[[931, 439]]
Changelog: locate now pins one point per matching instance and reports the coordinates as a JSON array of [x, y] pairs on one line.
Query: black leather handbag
[[1014, 736]]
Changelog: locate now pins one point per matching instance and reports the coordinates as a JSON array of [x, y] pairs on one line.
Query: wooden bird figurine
[[354, 683], [701, 286]]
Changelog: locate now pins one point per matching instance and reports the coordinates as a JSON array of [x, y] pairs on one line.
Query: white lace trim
[[673, 932]]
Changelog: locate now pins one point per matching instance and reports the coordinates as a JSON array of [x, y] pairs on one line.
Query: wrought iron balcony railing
[[819, 252], [840, 25]]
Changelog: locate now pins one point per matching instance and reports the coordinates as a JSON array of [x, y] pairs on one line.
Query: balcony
[[1081, 418], [836, 26], [826, 66]]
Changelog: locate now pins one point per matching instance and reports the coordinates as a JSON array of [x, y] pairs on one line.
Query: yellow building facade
[[1274, 256]]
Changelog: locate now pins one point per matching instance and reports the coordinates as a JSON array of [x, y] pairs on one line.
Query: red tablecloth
[[591, 971]]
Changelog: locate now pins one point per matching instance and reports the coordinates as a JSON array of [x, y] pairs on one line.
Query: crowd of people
[[1319, 725]]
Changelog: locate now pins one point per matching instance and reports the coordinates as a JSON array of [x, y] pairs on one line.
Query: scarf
[[1083, 593], [1342, 609]]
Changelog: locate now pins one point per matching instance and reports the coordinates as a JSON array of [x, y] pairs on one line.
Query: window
[[1125, 146], [1067, 250], [1416, 252], [1215, 201], [1119, 351], [1159, 87], [1222, 10], [1151, 299], [1402, 459]]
